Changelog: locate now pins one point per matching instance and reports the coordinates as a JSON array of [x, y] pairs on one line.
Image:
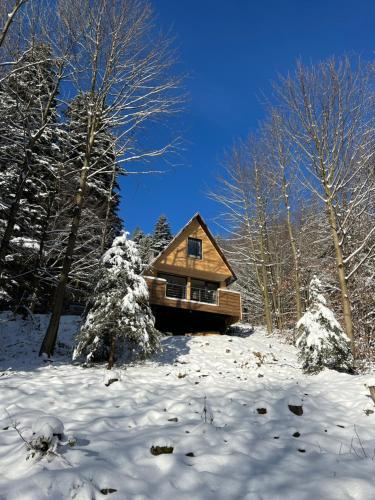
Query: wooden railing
[[221, 301]]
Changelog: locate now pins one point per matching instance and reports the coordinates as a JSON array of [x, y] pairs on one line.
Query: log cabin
[[188, 283]]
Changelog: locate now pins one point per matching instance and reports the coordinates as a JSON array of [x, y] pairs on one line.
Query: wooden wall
[[176, 260]]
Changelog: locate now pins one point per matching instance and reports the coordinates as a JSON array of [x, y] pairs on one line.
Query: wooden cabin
[[188, 283]]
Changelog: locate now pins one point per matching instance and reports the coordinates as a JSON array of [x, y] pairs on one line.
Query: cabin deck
[[221, 302]]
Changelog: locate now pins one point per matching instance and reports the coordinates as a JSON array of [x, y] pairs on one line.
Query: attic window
[[195, 248]]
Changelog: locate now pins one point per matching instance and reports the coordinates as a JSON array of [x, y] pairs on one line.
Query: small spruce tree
[[120, 323], [144, 245], [137, 235], [162, 235], [322, 342]]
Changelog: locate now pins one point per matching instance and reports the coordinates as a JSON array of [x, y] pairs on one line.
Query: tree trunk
[[346, 305], [278, 298], [49, 341], [372, 392], [42, 242], [13, 211], [295, 253], [265, 292], [112, 351], [9, 19], [108, 211], [261, 220], [272, 281]]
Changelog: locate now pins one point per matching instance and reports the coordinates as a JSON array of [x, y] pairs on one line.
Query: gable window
[[195, 248]]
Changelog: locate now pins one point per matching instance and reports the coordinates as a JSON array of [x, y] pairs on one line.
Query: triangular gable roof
[[200, 220]]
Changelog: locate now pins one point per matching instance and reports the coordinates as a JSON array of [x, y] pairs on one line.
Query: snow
[[221, 402], [47, 426], [25, 242]]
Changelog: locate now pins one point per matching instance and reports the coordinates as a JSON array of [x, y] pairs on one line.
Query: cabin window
[[195, 248], [210, 285]]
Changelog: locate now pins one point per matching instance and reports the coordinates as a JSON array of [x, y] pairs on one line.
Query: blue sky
[[232, 50]]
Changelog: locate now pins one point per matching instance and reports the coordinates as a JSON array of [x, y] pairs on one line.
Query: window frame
[[197, 257]]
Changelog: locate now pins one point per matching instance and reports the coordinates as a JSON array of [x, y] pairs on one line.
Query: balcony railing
[[203, 295], [175, 291], [220, 301]]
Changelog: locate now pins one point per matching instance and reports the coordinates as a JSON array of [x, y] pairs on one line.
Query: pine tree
[[120, 323], [28, 156], [102, 188], [137, 235], [162, 235], [322, 342], [144, 245], [99, 220]]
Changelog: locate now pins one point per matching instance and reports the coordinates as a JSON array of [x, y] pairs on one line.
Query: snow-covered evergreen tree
[[144, 245], [137, 235], [145, 250], [322, 342], [99, 220], [102, 189], [120, 323], [29, 138], [162, 235]]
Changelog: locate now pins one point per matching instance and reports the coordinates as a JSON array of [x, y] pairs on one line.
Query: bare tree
[[124, 69], [8, 11], [328, 116], [242, 191], [281, 173]]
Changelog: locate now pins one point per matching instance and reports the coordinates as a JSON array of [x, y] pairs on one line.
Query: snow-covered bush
[[120, 322], [321, 341], [47, 433]]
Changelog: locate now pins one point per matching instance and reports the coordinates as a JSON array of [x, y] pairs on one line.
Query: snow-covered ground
[[222, 404]]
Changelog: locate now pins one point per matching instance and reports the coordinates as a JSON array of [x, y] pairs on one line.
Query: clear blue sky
[[232, 51]]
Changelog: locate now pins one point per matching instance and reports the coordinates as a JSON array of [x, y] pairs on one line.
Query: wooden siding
[[228, 302], [175, 259]]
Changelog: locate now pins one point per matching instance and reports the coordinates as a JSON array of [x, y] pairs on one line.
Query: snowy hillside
[[229, 407]]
